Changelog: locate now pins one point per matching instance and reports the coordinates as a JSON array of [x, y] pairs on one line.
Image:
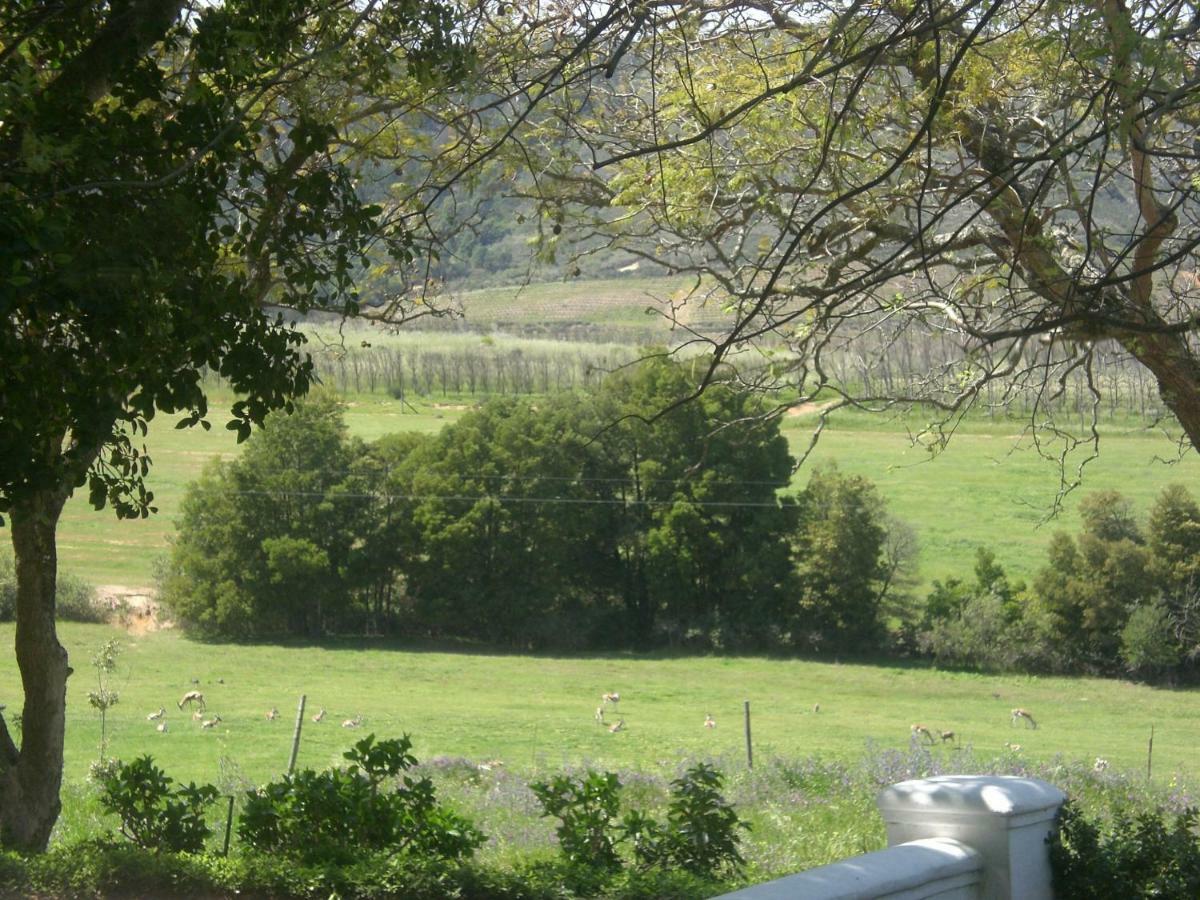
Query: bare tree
[[1014, 179]]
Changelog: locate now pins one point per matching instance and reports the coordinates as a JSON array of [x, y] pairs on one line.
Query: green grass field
[[536, 713], [637, 303], [988, 488]]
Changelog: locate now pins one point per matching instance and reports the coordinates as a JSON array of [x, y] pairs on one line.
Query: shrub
[[586, 810], [75, 601], [153, 815], [99, 869], [333, 816], [1133, 857], [702, 827], [700, 835], [1148, 643], [74, 598]]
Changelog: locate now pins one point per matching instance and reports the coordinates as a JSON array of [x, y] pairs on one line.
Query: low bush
[[1132, 856], [586, 809], [701, 832], [153, 815], [336, 815], [699, 836], [75, 600], [94, 868]]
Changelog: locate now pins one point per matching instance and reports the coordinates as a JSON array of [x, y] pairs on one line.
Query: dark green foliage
[[1129, 857], [96, 868], [1113, 598], [581, 521], [335, 815], [701, 832], [699, 836], [265, 541], [838, 546], [981, 623], [153, 815], [586, 809], [166, 172], [1149, 645], [1174, 530]]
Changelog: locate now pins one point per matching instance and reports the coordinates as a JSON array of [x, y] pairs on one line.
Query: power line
[[580, 479], [584, 501]]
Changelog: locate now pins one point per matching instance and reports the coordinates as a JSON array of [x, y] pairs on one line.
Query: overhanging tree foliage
[[1013, 182], [166, 168]]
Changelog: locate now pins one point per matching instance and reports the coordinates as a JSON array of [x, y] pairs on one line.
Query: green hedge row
[[100, 869]]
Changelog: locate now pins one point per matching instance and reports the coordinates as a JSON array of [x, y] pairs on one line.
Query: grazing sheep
[[1023, 714], [192, 698], [155, 716]]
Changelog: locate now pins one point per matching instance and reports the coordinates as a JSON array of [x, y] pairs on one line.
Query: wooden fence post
[[749, 749], [1150, 753], [296, 735]]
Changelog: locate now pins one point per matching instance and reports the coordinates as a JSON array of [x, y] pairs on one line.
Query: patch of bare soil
[[136, 609], [805, 409]]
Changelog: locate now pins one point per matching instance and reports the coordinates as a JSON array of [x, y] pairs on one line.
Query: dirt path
[[805, 409]]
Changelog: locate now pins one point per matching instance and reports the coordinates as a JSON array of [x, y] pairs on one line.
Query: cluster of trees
[[1119, 596], [573, 522]]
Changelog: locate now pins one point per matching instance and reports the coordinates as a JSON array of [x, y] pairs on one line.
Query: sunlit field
[[536, 712], [988, 488]]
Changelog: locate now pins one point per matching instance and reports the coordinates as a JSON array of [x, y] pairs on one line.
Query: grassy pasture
[[633, 302], [535, 713], [990, 487], [987, 488]]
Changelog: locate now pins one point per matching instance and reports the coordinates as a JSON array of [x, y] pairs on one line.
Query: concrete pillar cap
[[970, 795]]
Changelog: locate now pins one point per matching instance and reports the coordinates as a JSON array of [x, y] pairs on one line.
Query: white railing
[[955, 837]]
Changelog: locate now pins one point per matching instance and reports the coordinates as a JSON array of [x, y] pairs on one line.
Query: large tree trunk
[[1177, 372], [30, 778]]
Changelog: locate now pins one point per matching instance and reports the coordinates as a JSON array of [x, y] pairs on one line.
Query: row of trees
[[1119, 596], [482, 369], [576, 522], [882, 360]]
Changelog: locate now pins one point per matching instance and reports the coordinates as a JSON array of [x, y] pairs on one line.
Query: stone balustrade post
[[1005, 818]]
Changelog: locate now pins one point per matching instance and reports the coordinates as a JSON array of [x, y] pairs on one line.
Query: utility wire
[[584, 501]]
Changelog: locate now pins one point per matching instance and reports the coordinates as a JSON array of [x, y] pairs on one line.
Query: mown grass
[[535, 713]]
